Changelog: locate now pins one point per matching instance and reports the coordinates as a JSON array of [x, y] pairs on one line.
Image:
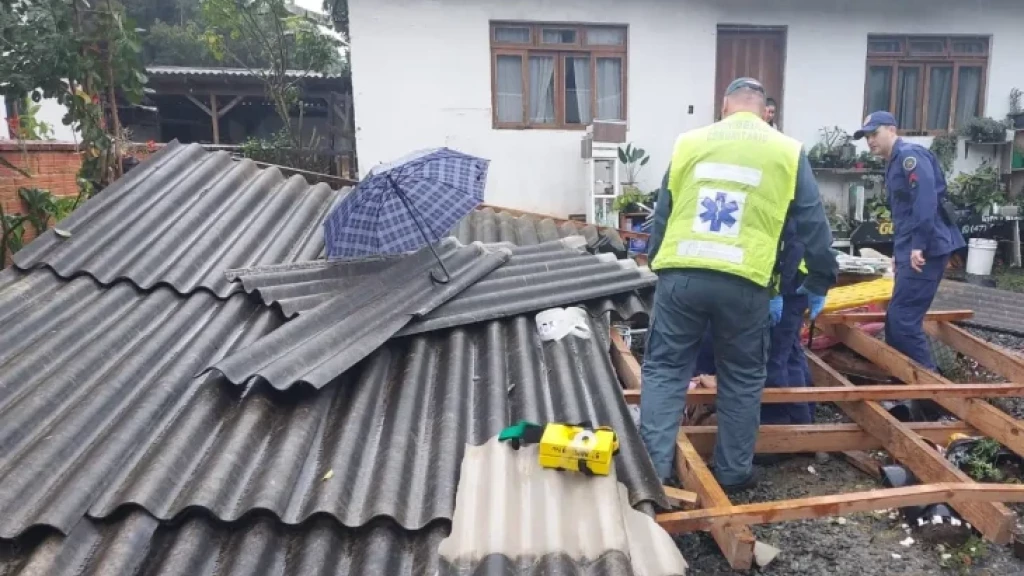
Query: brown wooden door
[[758, 53]]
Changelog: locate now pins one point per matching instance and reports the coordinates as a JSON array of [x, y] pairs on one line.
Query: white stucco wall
[[51, 112], [421, 75]]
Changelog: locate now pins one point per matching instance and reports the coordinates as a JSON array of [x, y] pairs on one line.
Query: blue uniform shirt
[[916, 188]]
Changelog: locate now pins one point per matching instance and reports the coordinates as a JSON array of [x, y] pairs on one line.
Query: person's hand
[[815, 302], [917, 260], [775, 310]]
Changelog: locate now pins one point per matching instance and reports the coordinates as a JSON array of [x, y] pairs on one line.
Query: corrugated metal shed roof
[[366, 310], [217, 71], [182, 218]]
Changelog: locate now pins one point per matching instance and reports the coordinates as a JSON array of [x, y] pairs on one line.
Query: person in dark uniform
[[771, 109], [923, 231]]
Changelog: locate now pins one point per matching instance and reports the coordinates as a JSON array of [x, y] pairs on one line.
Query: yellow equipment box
[[578, 449], [857, 295]]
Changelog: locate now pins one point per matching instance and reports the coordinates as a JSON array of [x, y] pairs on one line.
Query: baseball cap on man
[[873, 122], [749, 83]]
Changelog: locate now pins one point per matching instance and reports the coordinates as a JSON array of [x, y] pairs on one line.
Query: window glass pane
[[542, 89], [906, 98], [879, 88], [577, 90], [609, 89], [884, 45], [606, 36], [512, 34], [968, 94], [558, 36], [508, 81], [940, 97], [927, 47], [969, 46]]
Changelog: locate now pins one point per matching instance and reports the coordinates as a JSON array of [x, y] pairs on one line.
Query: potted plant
[[634, 159], [944, 148], [983, 131], [631, 200], [868, 161], [1016, 115], [980, 190], [834, 150]]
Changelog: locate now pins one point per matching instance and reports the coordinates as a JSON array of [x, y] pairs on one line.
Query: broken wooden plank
[[864, 462], [870, 317], [839, 505], [735, 542], [821, 437], [988, 419], [679, 497], [625, 363], [995, 358], [950, 391], [994, 520]]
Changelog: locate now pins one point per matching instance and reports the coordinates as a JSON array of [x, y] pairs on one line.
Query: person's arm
[[921, 181], [813, 231], [661, 214]]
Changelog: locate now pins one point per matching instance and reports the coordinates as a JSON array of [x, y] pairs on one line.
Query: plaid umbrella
[[403, 206]]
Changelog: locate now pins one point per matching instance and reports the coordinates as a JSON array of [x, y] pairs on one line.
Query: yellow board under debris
[[857, 295], [578, 449]]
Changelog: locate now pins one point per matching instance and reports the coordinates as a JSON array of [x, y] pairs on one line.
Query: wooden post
[[983, 416], [994, 520], [735, 542], [215, 117]]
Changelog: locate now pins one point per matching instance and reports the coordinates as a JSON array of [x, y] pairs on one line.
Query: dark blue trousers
[[911, 299], [787, 365]]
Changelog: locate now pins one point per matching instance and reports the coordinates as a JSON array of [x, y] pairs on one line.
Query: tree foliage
[[338, 11]]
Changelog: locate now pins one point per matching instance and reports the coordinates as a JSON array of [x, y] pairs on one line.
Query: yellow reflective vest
[[731, 184]]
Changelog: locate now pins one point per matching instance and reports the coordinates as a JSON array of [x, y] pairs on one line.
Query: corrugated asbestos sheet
[[357, 317], [510, 512], [88, 373], [489, 226], [182, 218]]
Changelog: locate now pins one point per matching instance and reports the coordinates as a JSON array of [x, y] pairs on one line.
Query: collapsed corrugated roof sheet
[[490, 225], [510, 512], [182, 218], [365, 307]]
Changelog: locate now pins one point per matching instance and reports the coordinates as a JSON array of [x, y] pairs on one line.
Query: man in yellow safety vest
[[729, 190]]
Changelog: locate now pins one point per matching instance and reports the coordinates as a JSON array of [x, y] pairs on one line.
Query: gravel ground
[[862, 544]]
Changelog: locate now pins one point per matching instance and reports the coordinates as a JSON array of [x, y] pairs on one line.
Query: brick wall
[[53, 166]]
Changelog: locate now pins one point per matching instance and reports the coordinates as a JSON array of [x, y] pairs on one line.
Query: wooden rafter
[[994, 520], [839, 394], [868, 317], [985, 417], [821, 437], [957, 493], [625, 364]]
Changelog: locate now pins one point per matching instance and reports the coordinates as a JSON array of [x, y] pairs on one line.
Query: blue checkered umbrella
[[403, 206]]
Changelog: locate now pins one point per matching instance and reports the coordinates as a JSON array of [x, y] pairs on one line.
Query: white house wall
[[422, 75]]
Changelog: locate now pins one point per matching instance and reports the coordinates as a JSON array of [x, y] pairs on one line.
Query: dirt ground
[[870, 544]]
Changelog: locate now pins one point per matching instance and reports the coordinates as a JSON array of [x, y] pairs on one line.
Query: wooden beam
[[202, 106], [839, 505], [880, 392], [679, 496], [808, 439], [215, 117], [232, 104], [869, 317], [995, 358], [983, 416], [864, 462], [994, 520], [626, 365], [735, 542]]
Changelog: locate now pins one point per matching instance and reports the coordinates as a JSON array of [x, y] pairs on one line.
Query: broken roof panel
[[384, 440], [360, 316], [183, 217], [489, 225], [86, 372]]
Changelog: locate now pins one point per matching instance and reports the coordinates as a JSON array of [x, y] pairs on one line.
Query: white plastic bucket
[[981, 252]]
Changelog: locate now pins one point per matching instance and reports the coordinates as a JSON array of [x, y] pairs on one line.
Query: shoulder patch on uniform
[[909, 163]]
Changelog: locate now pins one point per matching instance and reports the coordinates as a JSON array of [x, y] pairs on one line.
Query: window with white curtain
[[556, 75], [931, 84]]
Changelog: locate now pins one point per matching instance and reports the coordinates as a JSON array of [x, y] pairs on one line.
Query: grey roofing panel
[[217, 71], [994, 309], [488, 226], [184, 216], [87, 372], [391, 433], [321, 345]]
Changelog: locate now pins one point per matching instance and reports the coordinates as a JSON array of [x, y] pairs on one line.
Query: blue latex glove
[[775, 310], [815, 302]]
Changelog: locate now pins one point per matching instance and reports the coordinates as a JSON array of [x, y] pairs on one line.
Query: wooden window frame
[[925, 63], [560, 52]]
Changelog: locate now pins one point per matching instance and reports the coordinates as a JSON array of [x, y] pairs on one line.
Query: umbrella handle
[[414, 213]]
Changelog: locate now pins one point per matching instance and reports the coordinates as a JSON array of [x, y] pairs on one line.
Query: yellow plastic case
[[578, 449], [857, 295]]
